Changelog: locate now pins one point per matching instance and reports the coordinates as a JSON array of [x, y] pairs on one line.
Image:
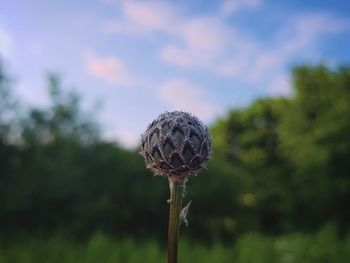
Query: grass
[[322, 247]]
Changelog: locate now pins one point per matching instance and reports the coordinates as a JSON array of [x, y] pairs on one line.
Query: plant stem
[[176, 194]]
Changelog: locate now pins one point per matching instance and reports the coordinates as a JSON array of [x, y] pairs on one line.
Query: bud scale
[[176, 144]]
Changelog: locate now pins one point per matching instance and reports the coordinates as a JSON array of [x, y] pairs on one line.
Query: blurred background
[[79, 82]]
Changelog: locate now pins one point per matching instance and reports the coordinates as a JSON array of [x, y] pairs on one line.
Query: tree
[[291, 155], [63, 119], [8, 107], [251, 147], [315, 135]]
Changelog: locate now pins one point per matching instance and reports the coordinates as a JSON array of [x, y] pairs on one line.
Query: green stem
[[176, 194]]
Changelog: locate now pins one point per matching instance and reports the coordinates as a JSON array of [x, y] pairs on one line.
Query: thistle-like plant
[[176, 145]]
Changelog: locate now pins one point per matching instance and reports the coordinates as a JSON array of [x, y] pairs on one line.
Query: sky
[[141, 58]]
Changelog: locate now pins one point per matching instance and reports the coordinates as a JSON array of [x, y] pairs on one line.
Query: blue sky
[[140, 58]]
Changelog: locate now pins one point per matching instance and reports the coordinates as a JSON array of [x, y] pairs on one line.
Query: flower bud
[[176, 144]]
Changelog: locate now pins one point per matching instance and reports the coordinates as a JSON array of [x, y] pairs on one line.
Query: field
[[322, 247]]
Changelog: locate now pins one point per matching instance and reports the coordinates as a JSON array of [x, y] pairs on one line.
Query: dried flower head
[[176, 144]]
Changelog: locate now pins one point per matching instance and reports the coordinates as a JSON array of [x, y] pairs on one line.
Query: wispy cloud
[[152, 15], [144, 18], [189, 41], [200, 42], [296, 40], [109, 69], [280, 85], [182, 95], [211, 43], [197, 41], [5, 43], [228, 7]]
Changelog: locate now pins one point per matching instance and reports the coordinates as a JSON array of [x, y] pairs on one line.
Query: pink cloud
[[299, 36], [110, 69], [152, 15], [280, 86], [202, 40], [228, 7], [211, 43], [190, 41]]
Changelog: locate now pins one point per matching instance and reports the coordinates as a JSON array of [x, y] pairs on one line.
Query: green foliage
[[315, 136], [62, 176], [98, 248], [251, 148], [62, 120], [279, 166], [322, 247], [290, 155], [317, 118], [8, 108]]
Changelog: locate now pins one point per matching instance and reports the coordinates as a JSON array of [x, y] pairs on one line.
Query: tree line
[[279, 165]]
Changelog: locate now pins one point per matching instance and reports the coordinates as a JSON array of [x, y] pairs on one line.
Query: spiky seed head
[[176, 144]]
